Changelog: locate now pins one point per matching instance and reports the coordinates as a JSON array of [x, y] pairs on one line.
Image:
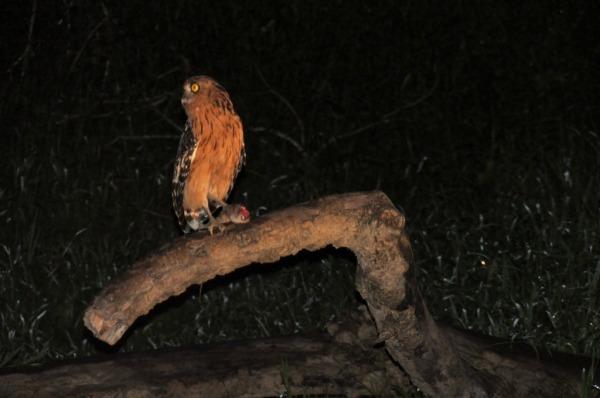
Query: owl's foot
[[216, 226], [193, 220], [212, 224], [198, 219]]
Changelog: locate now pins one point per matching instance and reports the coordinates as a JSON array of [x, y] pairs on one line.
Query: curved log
[[366, 223], [440, 362]]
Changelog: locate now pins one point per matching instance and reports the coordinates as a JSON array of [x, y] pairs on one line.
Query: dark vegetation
[[478, 119]]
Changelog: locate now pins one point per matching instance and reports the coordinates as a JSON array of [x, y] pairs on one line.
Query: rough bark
[[366, 223], [315, 365], [440, 361]]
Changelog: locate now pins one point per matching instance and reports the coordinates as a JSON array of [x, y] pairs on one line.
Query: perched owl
[[210, 155]]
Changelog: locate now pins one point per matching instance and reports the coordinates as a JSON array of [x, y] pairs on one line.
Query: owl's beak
[[187, 95]]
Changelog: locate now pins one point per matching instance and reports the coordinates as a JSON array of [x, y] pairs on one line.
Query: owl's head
[[198, 88]]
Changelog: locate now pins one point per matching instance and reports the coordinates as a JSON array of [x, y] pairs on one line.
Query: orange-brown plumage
[[210, 155]]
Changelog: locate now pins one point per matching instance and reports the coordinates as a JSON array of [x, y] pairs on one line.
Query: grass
[[480, 122]]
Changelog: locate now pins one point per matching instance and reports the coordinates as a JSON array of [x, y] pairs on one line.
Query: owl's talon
[[214, 224], [194, 224], [218, 227]]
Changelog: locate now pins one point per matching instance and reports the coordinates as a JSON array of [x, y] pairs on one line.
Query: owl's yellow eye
[[194, 87]]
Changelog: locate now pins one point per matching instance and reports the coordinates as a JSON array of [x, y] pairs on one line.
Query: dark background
[[478, 119]]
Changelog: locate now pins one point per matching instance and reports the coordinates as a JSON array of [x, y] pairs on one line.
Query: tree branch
[[342, 221]]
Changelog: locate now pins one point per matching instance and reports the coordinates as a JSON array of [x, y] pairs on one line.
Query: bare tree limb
[[355, 221]]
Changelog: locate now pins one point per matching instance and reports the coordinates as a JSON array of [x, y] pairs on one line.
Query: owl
[[210, 154]]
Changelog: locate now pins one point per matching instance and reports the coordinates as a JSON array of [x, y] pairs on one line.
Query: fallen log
[[307, 365], [440, 361]]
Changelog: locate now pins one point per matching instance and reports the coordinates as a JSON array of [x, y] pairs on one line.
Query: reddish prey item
[[234, 213]]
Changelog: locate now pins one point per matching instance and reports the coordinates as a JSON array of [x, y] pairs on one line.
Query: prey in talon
[[230, 214], [233, 214]]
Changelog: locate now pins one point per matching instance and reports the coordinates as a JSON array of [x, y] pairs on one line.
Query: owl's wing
[[238, 167], [183, 161]]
